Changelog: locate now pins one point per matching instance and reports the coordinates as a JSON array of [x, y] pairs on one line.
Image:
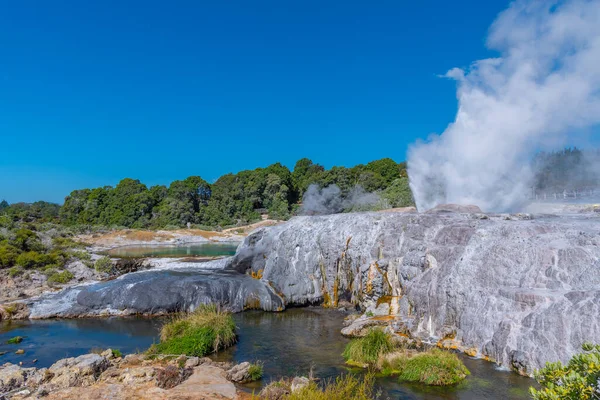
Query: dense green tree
[[398, 194], [305, 172], [233, 199]]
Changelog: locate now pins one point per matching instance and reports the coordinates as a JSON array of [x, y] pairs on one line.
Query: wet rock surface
[[518, 289]]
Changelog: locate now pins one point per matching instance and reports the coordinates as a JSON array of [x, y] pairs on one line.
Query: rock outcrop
[[518, 289], [93, 376]]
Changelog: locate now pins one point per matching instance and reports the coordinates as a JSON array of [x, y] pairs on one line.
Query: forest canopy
[[233, 199]]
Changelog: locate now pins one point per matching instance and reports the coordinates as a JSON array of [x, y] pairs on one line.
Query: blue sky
[[92, 92]]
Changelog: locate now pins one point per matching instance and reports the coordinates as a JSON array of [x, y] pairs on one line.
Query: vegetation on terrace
[[203, 331], [377, 350], [345, 387], [37, 245]]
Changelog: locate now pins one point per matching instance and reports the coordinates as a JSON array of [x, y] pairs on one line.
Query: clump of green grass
[[432, 367], [104, 264], [15, 340], [255, 371], [368, 349], [117, 353], [204, 331], [15, 271], [346, 387], [60, 277]]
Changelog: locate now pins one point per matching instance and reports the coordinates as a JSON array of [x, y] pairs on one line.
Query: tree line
[[568, 169], [233, 199]]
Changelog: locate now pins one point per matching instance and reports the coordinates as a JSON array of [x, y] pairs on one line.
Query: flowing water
[[288, 343], [179, 250]]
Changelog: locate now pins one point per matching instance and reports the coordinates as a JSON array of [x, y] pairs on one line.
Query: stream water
[[180, 250], [288, 343]]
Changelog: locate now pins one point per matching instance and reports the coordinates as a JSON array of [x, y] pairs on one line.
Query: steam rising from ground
[[544, 87], [329, 200]]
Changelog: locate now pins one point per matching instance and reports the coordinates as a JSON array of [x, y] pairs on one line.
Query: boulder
[[13, 377], [299, 382], [192, 362], [77, 371], [361, 326], [239, 373]]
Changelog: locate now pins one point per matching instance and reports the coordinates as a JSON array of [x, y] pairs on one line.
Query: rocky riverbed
[[518, 289], [108, 376]]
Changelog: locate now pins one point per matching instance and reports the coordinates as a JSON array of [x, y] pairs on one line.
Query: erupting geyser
[[542, 89]]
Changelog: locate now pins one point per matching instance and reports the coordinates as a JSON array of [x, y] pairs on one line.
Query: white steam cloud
[[329, 200], [544, 86]]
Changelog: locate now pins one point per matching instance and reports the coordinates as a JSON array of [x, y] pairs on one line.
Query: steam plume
[[544, 87], [329, 200]]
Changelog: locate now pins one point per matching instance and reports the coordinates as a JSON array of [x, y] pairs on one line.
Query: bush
[[255, 371], [81, 255], [199, 333], [60, 277], [117, 353], [33, 259], [579, 379], [347, 387], [368, 349], [104, 264], [433, 367], [64, 243], [8, 255]]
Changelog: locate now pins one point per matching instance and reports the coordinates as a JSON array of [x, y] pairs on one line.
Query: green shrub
[[579, 379], [347, 387], [8, 255], [104, 264], [433, 367], [15, 271], [255, 371], [81, 255], [199, 333], [34, 259], [368, 349], [60, 277], [117, 353], [61, 242]]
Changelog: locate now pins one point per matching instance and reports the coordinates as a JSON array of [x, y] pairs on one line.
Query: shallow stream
[[288, 343]]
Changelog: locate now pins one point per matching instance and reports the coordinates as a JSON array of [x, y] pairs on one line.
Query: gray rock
[[361, 326], [239, 373], [79, 371], [299, 382], [13, 377], [192, 362]]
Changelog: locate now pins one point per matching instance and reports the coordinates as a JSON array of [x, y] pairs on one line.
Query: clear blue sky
[[92, 92]]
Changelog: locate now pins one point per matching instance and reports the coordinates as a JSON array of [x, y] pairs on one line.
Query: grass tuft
[[255, 371], [346, 387], [433, 367], [368, 349], [204, 331]]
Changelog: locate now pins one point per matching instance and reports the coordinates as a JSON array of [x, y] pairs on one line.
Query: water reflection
[[288, 343]]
